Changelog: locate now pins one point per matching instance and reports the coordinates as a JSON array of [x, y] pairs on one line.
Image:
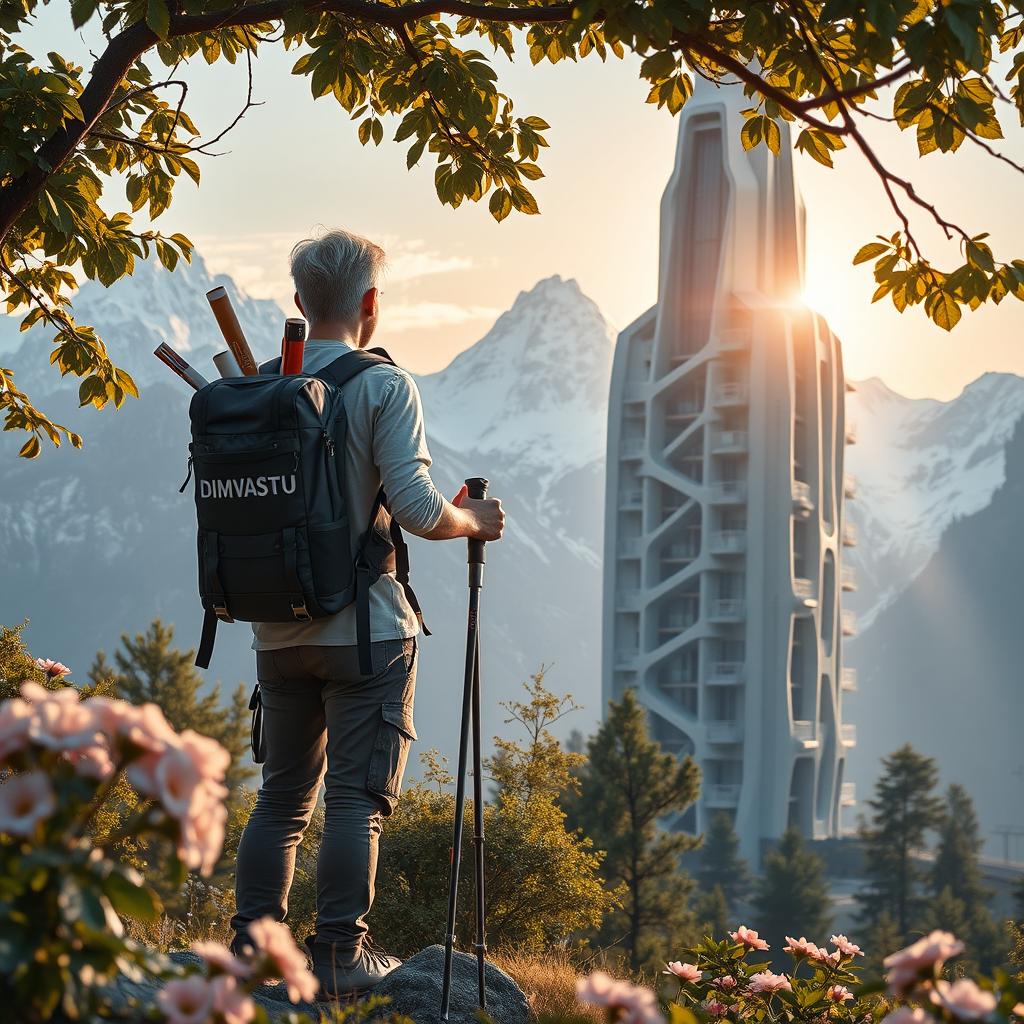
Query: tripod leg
[[460, 798], [478, 832]]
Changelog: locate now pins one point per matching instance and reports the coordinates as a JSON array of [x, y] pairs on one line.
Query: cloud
[[258, 262], [418, 315]]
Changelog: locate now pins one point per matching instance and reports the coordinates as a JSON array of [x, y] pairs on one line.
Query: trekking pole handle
[[476, 487]]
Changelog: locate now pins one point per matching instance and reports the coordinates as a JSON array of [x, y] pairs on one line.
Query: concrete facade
[[725, 524]]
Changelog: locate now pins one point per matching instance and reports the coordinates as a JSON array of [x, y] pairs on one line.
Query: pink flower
[[686, 972], [726, 983], [92, 762], [923, 957], [274, 941], [26, 799], [187, 1000], [54, 669], [845, 946], [906, 1015], [201, 835], [839, 994], [222, 959], [713, 1008], [823, 956], [635, 1005], [231, 1002], [800, 947], [1018, 1010], [60, 721], [767, 982], [177, 779], [748, 937], [964, 999], [15, 715]]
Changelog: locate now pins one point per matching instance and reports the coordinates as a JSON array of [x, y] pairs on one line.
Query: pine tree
[[956, 875], [791, 896], [151, 669], [904, 809], [719, 862], [628, 785], [881, 938], [711, 909]]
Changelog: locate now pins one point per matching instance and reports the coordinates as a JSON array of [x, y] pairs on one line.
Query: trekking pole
[[477, 488]]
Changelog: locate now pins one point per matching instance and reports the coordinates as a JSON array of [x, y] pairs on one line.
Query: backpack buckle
[[221, 611], [301, 612]]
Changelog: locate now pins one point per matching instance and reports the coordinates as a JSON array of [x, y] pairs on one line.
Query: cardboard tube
[[187, 373], [227, 365], [232, 330], [293, 345]]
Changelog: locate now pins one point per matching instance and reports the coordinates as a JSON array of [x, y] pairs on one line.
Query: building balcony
[[848, 734], [734, 339], [848, 794], [630, 547], [631, 500], [632, 448], [683, 409], [730, 393], [851, 433], [729, 492], [803, 731], [722, 795], [728, 542], [676, 554], [802, 496], [628, 601], [724, 732], [848, 680], [849, 620], [676, 682], [849, 485], [729, 442], [803, 588], [848, 575], [725, 673], [727, 609], [635, 391], [849, 535], [625, 657]]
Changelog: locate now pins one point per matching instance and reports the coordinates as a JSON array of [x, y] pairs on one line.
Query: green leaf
[[158, 18], [82, 11], [500, 204], [30, 449], [131, 898], [943, 309], [870, 251]]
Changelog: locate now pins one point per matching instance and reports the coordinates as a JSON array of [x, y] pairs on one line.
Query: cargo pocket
[[395, 734]]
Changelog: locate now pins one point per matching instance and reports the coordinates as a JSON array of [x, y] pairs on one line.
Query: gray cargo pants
[[325, 722]]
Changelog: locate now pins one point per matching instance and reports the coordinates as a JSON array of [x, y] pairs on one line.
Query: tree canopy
[[416, 68]]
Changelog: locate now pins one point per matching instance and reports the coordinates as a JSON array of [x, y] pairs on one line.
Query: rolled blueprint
[[227, 365], [186, 372], [232, 330]]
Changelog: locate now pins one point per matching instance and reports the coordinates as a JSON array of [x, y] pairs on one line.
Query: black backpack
[[274, 538]]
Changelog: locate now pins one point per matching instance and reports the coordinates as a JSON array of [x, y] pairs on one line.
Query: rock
[[415, 990]]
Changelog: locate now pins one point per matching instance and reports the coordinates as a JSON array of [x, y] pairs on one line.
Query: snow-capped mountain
[[920, 465]]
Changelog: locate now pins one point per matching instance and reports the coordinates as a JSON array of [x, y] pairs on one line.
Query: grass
[[549, 981]]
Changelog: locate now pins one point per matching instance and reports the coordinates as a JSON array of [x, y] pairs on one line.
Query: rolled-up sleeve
[[400, 453]]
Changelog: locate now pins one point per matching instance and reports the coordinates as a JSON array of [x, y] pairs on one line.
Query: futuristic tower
[[725, 523]]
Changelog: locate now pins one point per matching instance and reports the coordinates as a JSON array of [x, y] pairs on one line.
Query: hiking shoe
[[344, 974]]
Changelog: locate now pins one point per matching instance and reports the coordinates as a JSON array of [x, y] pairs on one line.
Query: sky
[[293, 165]]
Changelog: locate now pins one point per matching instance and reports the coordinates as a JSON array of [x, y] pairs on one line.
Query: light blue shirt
[[386, 446]]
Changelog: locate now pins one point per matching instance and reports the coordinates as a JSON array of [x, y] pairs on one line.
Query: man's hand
[[487, 515]]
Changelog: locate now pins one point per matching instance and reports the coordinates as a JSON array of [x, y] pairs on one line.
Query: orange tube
[[232, 330], [293, 345]]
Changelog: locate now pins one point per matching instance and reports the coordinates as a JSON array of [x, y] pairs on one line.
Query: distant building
[[725, 523]]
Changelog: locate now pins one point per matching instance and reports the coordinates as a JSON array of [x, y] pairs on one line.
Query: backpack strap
[[351, 364]]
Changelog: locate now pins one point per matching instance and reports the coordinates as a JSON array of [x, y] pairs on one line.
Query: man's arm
[[400, 452]]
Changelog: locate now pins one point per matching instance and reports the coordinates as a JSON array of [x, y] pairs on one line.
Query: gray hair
[[332, 273]]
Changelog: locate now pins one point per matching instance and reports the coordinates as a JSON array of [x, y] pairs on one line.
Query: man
[[323, 719]]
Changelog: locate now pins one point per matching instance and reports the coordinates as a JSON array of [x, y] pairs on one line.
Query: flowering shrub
[[62, 892], [724, 982]]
